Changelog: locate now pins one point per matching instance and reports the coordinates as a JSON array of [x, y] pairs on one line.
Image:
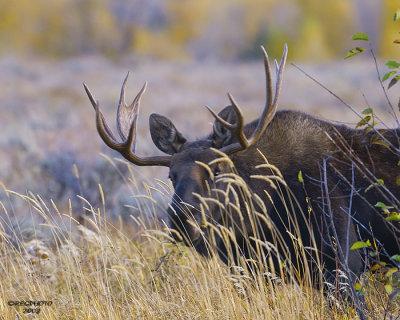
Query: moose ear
[[222, 136], [164, 134]]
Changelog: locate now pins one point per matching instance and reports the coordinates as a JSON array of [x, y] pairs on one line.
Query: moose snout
[[183, 226]]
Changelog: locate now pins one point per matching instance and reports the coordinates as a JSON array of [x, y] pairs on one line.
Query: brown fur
[[293, 142]]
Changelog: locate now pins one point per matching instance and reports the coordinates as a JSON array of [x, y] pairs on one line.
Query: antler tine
[[276, 67], [104, 131], [126, 115], [123, 112], [271, 100], [229, 126], [127, 146], [238, 128], [90, 95], [226, 124], [279, 72], [95, 105], [268, 111], [268, 79]]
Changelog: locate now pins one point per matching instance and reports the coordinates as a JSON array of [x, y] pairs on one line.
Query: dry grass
[[129, 270], [107, 270]]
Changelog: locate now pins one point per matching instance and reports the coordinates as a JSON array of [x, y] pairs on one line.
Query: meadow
[[81, 231]]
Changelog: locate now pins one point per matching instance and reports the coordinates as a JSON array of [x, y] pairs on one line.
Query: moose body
[[293, 142], [333, 207]]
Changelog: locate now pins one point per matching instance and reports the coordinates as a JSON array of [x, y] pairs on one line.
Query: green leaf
[[394, 81], [368, 129], [382, 205], [371, 126], [360, 36], [375, 267], [354, 51], [360, 244], [367, 111], [300, 177], [394, 216], [363, 121], [396, 15], [373, 253], [375, 184], [388, 75], [381, 142], [396, 257], [357, 286], [388, 288], [391, 271], [398, 180], [391, 64], [369, 187]]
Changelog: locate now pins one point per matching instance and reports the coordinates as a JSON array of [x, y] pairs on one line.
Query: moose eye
[[217, 171]]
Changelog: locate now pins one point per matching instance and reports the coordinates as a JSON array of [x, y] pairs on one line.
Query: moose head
[[185, 159]]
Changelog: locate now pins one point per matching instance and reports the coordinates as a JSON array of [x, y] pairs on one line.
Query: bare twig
[[347, 105], [383, 87], [341, 257]]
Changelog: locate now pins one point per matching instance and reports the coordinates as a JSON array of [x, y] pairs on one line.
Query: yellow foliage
[[188, 18], [323, 29], [312, 43], [156, 44], [59, 27], [390, 31], [336, 22], [233, 28]]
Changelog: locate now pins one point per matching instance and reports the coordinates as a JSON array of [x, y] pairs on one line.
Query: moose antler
[[126, 126], [267, 115]]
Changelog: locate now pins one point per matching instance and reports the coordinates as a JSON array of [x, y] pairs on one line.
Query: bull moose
[[345, 172]]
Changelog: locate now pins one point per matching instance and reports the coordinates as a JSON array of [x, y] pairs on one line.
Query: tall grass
[[105, 269]]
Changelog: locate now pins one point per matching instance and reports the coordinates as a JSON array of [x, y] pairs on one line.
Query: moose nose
[[182, 228]]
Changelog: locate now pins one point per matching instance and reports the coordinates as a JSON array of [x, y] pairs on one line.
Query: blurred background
[[188, 29], [191, 53]]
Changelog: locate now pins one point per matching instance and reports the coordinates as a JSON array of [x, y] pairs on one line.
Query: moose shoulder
[[333, 207]]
